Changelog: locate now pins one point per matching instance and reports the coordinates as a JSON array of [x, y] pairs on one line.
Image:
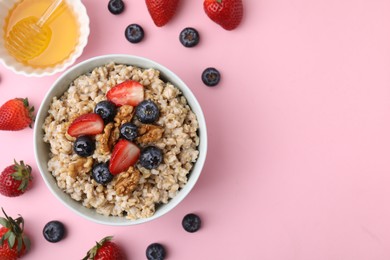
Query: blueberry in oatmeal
[[84, 146], [151, 157], [129, 131], [155, 251], [101, 174], [191, 223], [107, 110], [147, 112]]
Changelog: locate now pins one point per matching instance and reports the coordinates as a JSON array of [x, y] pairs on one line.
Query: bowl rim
[[10, 63], [62, 84]]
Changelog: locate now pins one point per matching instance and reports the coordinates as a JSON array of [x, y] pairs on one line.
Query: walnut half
[[107, 139], [80, 166], [124, 114], [127, 181], [149, 133]]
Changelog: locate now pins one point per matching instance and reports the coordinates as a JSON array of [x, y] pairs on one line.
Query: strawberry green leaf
[[27, 243], [20, 244], [4, 222], [6, 235], [11, 240], [25, 102]]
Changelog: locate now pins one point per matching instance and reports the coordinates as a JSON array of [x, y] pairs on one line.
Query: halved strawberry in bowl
[[129, 92], [86, 124], [124, 155]]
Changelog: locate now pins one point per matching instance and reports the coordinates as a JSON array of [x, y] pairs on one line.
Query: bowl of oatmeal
[[120, 139]]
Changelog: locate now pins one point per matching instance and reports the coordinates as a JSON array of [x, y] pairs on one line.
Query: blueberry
[[189, 37], [129, 131], [106, 109], [54, 231], [101, 174], [150, 157], [211, 77], [147, 112], [155, 251], [134, 33], [116, 6], [191, 223], [84, 146]]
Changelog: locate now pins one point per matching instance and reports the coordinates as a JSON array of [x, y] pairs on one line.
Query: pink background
[[299, 144]]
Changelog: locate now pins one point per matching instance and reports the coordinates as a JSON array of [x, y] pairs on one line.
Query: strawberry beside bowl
[[149, 188]]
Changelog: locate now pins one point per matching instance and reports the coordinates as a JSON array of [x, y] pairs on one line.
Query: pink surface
[[298, 134]]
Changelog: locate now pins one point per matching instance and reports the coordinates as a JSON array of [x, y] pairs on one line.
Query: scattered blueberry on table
[[189, 37], [116, 6], [191, 222], [54, 231], [155, 251], [211, 77], [134, 33]]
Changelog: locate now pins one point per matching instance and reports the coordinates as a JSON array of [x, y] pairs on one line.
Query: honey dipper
[[30, 36]]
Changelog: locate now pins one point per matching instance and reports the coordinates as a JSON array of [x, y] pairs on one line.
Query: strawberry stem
[[15, 232], [22, 173], [93, 251], [30, 109]]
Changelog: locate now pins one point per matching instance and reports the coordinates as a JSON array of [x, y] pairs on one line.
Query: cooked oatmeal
[[136, 193]]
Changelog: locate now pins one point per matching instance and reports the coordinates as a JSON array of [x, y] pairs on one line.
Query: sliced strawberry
[[124, 155], [129, 92], [87, 124]]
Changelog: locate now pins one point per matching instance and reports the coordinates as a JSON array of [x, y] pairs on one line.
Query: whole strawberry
[[105, 250], [15, 179], [162, 11], [13, 242], [16, 114], [226, 13]]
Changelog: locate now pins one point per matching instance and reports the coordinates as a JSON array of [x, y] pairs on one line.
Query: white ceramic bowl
[[41, 148], [19, 68]]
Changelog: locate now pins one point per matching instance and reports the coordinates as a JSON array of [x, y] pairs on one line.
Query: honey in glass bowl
[[64, 32]]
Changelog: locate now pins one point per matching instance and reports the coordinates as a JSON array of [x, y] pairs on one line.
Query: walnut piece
[[80, 166], [127, 181], [123, 115], [105, 140], [149, 133]]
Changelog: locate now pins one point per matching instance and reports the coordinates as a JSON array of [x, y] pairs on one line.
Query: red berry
[[7, 253], [226, 13], [105, 250], [162, 11], [124, 155], [15, 243], [15, 179], [87, 124], [16, 114], [129, 92]]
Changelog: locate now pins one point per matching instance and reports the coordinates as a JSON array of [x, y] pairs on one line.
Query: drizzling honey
[[64, 33]]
